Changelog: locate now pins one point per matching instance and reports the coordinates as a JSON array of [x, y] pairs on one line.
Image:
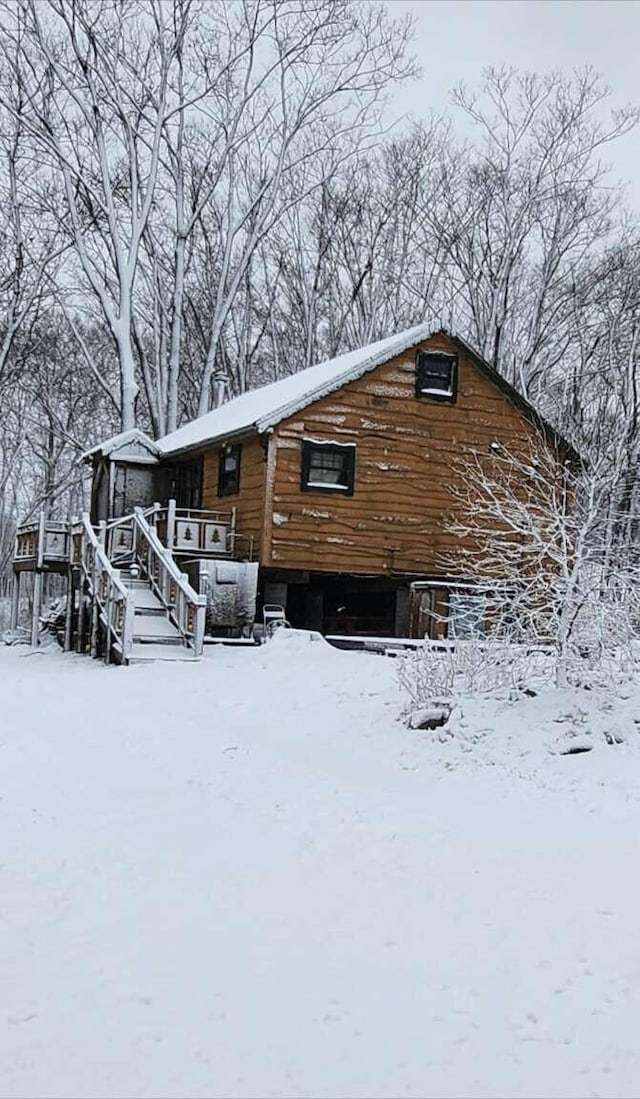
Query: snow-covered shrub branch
[[535, 535], [436, 673]]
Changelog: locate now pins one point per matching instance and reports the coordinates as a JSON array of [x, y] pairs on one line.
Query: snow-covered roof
[[132, 445], [262, 408]]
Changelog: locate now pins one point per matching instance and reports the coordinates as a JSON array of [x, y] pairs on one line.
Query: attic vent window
[[436, 375], [229, 470], [328, 467]]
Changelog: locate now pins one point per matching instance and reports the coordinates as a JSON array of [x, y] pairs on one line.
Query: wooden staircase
[[145, 605], [127, 599], [154, 637]]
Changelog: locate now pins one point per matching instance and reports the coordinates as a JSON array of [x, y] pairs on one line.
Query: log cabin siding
[[406, 450], [249, 501]]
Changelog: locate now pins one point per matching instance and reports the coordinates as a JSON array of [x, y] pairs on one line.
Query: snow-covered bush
[[534, 536], [439, 672]]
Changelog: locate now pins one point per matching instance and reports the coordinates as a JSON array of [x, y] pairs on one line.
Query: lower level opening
[[338, 604]]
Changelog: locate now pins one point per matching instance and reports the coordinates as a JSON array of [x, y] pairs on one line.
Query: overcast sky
[[457, 39]]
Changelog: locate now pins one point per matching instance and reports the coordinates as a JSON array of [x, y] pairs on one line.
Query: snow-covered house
[[340, 476], [324, 492]]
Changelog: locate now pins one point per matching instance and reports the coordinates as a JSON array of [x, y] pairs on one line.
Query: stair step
[[147, 654], [145, 600], [152, 625]]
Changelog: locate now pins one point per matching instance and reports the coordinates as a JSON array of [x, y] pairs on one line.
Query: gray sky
[[457, 39]]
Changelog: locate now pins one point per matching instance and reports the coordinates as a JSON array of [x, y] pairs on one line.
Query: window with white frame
[[436, 375], [328, 467]]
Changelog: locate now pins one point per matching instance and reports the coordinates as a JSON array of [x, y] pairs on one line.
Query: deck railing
[[42, 540], [187, 607], [135, 540], [186, 532], [193, 532], [112, 603]]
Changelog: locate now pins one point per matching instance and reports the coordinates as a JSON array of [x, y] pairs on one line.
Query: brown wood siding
[[249, 501], [406, 450]]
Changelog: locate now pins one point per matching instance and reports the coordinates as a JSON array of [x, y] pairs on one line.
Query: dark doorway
[[188, 484], [343, 605]]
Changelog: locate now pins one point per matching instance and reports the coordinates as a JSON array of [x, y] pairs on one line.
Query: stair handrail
[[115, 605], [186, 607], [122, 520]]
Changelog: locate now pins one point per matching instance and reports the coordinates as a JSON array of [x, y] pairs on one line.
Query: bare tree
[[30, 246], [535, 538], [95, 101], [524, 206], [305, 97]]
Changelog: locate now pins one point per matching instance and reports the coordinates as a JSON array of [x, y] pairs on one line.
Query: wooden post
[[171, 525], [41, 536], [82, 576], [112, 489], [102, 539], [198, 640], [68, 622], [127, 629], [94, 607], [80, 639], [36, 608], [231, 535], [107, 613], [15, 600]]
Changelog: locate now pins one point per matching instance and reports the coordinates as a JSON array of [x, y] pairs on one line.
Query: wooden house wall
[[249, 501], [407, 448]]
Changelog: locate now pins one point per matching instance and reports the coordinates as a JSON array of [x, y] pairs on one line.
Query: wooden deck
[[121, 571], [44, 545], [47, 544]]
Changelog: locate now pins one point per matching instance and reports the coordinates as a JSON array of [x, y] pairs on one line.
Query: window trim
[[223, 489], [424, 394], [346, 450]]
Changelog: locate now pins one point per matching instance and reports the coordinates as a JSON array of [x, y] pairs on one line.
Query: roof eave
[[267, 423], [215, 440], [283, 413]]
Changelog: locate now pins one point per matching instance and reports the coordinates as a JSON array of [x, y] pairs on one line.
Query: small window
[[436, 375], [328, 467], [466, 615], [229, 471]]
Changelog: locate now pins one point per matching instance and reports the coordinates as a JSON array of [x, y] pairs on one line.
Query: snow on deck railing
[[186, 606], [112, 601], [42, 540], [191, 533], [199, 532]]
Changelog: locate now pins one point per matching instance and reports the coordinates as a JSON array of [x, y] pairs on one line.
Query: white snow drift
[[247, 877]]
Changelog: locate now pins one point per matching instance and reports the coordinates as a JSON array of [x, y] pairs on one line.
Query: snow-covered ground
[[247, 877]]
